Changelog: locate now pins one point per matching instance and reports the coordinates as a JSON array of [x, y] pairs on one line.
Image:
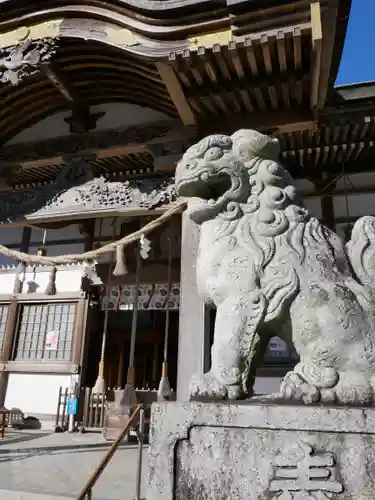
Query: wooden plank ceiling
[[81, 75], [265, 74], [251, 67], [332, 149]]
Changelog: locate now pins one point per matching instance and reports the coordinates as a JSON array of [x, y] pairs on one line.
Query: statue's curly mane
[[276, 229], [263, 211]]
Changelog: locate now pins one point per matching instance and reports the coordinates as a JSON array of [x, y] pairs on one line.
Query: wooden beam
[[81, 120], [104, 143], [171, 81], [329, 28], [317, 40], [348, 113]]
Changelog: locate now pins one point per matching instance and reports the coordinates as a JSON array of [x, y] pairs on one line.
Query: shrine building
[[99, 101]]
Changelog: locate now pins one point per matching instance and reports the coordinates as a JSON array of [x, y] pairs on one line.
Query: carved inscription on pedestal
[[303, 474]]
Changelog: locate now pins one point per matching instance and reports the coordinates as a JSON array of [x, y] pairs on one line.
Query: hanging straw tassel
[[51, 287], [120, 268], [164, 390], [20, 277]]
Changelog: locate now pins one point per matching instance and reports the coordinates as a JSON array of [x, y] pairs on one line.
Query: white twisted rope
[[38, 260]]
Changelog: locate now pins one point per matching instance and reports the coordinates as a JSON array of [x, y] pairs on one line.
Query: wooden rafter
[[171, 81], [275, 122], [245, 83], [317, 39]]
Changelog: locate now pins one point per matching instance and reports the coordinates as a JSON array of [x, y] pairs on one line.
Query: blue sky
[[358, 58]]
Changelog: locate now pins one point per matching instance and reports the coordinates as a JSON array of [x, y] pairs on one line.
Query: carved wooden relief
[[24, 59], [71, 195]]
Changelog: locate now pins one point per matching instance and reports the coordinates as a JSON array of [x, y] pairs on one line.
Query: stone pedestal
[[261, 450]]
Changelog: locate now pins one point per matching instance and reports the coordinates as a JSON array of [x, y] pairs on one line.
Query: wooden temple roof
[[211, 66]]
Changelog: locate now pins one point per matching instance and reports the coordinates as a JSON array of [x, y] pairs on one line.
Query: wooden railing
[[9, 418], [61, 422], [86, 493], [92, 407]]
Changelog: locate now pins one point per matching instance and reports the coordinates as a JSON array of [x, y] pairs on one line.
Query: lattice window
[[4, 308], [45, 332]]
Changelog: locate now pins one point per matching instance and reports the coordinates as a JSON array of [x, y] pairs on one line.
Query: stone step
[[57, 466]]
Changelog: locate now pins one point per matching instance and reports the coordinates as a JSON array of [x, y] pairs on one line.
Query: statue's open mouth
[[207, 187]]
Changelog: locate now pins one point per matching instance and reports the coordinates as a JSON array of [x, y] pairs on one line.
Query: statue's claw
[[207, 387], [293, 387], [354, 388]]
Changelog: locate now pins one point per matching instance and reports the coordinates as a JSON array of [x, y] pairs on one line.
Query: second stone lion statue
[[271, 268]]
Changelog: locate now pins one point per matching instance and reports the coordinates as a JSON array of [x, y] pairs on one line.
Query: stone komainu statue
[[269, 266]]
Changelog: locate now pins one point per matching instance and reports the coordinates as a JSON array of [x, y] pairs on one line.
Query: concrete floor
[[45, 466]]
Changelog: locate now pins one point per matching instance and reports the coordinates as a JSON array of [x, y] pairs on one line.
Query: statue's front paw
[[354, 388], [207, 387], [294, 388]]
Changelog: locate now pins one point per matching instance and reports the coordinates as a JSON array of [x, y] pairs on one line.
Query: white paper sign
[[52, 339]]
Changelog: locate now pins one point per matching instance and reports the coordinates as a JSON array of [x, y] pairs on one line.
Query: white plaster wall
[[350, 205], [7, 282], [355, 180], [9, 236], [356, 205], [35, 393], [118, 115], [68, 278]]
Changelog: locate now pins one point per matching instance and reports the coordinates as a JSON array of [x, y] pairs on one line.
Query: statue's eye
[[213, 154], [190, 165], [225, 141]]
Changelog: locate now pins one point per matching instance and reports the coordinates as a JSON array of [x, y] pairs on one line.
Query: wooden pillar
[[328, 213], [193, 338], [88, 230], [322, 182], [87, 321], [10, 329]]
